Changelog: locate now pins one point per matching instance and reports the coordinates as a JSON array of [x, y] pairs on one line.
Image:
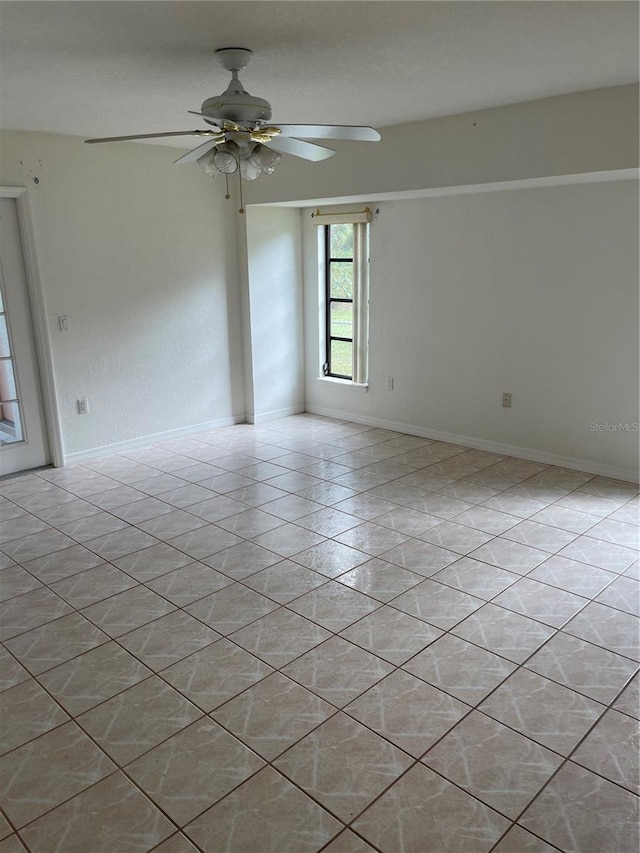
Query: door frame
[[38, 312]]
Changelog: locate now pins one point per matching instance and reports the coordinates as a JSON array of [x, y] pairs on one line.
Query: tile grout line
[[380, 604]]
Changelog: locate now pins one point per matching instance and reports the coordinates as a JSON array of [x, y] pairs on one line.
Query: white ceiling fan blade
[[196, 153], [330, 131], [306, 150], [154, 135], [203, 115]]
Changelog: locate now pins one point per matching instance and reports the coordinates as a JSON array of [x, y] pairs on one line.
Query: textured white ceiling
[[108, 68]]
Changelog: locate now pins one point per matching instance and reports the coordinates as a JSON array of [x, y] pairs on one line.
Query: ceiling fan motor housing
[[237, 105]]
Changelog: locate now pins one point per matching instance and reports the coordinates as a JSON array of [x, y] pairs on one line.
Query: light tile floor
[[314, 635]]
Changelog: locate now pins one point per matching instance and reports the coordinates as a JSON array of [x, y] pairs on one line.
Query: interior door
[[23, 441]]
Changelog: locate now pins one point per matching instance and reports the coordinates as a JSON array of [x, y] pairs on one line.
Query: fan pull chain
[[228, 195], [240, 184]]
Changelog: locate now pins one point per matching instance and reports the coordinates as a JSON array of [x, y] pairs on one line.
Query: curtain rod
[[318, 212]]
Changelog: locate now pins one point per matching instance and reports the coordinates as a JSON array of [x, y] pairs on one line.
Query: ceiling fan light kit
[[240, 137]]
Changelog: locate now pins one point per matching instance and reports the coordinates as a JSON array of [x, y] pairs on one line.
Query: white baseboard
[[263, 417], [570, 462], [587, 465], [134, 443]]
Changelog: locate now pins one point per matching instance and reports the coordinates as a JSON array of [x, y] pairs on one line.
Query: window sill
[[344, 383]]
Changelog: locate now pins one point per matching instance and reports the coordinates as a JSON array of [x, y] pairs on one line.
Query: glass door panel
[[10, 419], [23, 440]]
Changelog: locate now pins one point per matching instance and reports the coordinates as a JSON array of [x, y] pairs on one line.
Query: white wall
[[274, 301], [530, 291], [535, 290], [569, 134], [142, 256]]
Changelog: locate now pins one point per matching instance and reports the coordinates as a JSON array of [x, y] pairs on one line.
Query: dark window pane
[[341, 280], [342, 358], [341, 320], [341, 241]]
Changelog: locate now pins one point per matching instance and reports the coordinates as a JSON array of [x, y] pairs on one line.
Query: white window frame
[[360, 295]]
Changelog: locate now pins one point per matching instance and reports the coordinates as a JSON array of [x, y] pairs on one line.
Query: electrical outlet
[[389, 383], [506, 400], [83, 406]]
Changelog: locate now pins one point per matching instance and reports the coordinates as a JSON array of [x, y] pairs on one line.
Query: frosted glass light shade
[[206, 161], [265, 159], [249, 170], [225, 158]]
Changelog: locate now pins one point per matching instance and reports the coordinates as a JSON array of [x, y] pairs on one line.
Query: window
[[346, 300]]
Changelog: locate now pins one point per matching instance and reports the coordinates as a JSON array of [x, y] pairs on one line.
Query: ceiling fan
[[240, 137]]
